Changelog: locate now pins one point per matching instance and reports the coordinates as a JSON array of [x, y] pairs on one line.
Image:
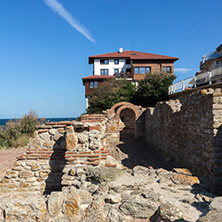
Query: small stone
[[72, 172], [11, 174], [185, 179], [113, 198], [25, 174], [31, 180], [182, 171], [71, 139], [35, 167]]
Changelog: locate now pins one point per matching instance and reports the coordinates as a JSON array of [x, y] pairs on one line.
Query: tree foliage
[[110, 93], [152, 89]]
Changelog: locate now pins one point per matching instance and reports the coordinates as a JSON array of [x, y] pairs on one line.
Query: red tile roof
[[134, 55], [96, 77]]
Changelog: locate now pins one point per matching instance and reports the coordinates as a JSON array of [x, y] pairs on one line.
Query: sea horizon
[[3, 121]]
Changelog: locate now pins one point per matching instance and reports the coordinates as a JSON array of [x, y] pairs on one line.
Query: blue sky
[[44, 50]]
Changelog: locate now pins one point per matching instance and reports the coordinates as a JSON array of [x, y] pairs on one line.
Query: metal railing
[[204, 78]]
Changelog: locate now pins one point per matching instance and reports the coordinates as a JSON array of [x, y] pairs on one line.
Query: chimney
[[120, 50]]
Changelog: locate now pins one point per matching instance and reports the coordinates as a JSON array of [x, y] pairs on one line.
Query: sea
[[3, 121]]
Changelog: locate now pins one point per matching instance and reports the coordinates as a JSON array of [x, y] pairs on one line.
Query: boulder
[[212, 216], [94, 212], [23, 207], [102, 174], [140, 171], [216, 204], [139, 208], [167, 213], [55, 203], [71, 207], [116, 215], [71, 139]]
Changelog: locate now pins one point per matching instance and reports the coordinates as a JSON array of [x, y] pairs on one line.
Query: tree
[[110, 93], [152, 89]]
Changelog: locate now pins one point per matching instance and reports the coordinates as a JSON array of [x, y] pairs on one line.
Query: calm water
[[3, 121]]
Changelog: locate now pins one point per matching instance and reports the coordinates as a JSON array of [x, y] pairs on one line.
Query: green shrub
[[152, 89], [16, 133], [110, 93]]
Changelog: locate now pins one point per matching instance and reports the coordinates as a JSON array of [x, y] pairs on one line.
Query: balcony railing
[[204, 78], [123, 75]]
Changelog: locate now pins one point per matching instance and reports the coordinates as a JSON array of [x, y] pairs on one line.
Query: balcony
[[127, 75], [212, 55]]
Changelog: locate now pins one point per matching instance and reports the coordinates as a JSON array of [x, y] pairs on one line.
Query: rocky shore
[[117, 195]]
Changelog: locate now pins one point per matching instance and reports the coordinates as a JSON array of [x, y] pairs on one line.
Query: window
[[142, 70], [128, 61], [93, 84], [104, 72], [104, 61], [116, 71], [116, 61], [167, 69]]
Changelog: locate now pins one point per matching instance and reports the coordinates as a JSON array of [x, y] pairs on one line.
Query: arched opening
[[127, 117]]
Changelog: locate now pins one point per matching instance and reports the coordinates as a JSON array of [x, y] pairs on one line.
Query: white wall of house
[[122, 66]]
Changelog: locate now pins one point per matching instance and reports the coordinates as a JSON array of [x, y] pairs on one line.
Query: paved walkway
[[8, 157], [133, 153]]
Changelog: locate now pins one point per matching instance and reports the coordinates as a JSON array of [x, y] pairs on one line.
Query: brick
[[111, 165], [20, 158], [89, 152], [45, 155], [65, 123], [31, 158], [34, 155], [96, 151], [82, 155], [71, 155], [71, 152], [42, 131], [71, 160], [93, 159], [94, 155], [43, 158], [93, 164], [105, 151]]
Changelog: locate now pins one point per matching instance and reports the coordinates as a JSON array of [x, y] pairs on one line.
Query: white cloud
[[182, 69], [61, 11]]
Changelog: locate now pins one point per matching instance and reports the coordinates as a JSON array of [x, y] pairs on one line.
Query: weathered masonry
[[54, 151], [188, 130]]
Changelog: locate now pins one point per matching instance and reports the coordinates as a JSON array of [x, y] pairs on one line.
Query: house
[[210, 68], [131, 65]]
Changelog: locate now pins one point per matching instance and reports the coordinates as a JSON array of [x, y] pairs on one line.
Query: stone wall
[[54, 150], [190, 133]]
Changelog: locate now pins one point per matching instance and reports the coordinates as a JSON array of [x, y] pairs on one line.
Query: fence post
[[210, 82], [195, 84]]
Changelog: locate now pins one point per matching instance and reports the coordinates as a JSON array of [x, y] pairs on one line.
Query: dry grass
[[16, 133]]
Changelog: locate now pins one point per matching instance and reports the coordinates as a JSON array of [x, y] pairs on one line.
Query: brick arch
[[118, 107]]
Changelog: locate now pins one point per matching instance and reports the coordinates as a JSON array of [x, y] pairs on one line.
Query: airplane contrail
[[61, 11]]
